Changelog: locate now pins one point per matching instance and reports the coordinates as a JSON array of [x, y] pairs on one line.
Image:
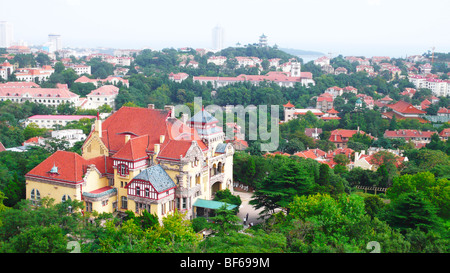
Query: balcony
[[216, 178]]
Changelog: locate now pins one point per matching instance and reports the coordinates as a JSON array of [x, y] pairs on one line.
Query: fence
[[375, 189]]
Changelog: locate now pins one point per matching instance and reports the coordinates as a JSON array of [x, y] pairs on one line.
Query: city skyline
[[348, 27]]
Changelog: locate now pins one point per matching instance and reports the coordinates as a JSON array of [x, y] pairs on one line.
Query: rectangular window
[[124, 202], [88, 206]]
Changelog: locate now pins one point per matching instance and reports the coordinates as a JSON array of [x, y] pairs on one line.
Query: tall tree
[[277, 190]]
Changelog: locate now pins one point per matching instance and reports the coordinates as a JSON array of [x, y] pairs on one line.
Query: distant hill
[[256, 51], [298, 52]]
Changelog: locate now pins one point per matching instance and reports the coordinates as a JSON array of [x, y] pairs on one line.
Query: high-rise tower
[[217, 38], [55, 42], [6, 34]]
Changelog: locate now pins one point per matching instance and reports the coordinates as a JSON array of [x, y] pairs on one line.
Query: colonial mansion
[[140, 158]]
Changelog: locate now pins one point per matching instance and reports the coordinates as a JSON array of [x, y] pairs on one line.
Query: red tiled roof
[[175, 149], [405, 108], [289, 105], [334, 88], [306, 154], [444, 133], [37, 92], [346, 151], [33, 140], [349, 88], [61, 117], [329, 118], [408, 133], [325, 97], [151, 123], [84, 79], [105, 90], [133, 121], [134, 149], [100, 190], [332, 111], [338, 135], [18, 84], [71, 167], [2, 148], [390, 114]]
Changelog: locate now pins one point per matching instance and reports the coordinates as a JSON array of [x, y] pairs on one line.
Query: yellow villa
[[140, 158]]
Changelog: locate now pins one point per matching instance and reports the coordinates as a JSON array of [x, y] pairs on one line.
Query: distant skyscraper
[[217, 38], [55, 42], [6, 34]]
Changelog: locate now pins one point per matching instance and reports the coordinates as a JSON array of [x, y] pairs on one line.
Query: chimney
[[150, 106], [127, 138], [157, 148], [98, 127], [161, 139], [171, 110]]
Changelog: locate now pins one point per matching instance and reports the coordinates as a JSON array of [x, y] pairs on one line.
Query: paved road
[[247, 208]]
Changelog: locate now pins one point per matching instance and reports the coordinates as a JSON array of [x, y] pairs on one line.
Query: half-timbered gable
[[152, 187]]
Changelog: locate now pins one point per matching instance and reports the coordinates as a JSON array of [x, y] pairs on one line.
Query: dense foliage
[[306, 206]]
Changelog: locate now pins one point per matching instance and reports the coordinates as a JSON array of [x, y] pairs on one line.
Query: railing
[[368, 188]]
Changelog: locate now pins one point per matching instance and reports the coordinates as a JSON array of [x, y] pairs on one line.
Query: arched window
[[65, 198], [35, 196]]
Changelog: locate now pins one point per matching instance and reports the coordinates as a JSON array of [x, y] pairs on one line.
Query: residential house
[[416, 136], [105, 94], [217, 60], [366, 68], [340, 70], [140, 158], [54, 121], [444, 135], [324, 102], [178, 77], [404, 110], [340, 137], [46, 96]]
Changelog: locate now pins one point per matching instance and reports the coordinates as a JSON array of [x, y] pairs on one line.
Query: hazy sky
[[350, 27]]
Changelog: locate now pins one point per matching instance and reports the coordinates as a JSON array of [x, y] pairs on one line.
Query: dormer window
[[53, 171]]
